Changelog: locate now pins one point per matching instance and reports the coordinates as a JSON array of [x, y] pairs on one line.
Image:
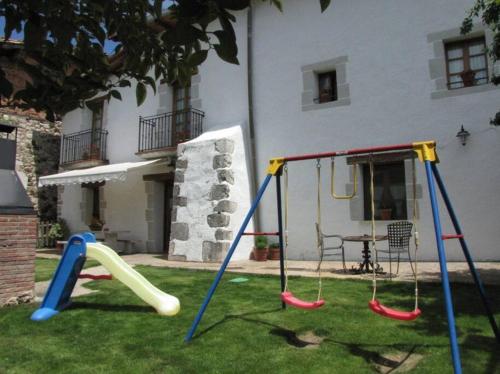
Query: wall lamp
[[463, 134]]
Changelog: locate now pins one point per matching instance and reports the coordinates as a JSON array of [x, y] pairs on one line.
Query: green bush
[[274, 245], [261, 242], [59, 230]]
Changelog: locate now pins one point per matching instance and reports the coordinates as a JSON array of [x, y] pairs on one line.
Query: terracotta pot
[[59, 247], [385, 214], [274, 254], [260, 254]]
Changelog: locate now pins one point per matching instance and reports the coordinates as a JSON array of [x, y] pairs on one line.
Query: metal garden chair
[[333, 250], [398, 235]]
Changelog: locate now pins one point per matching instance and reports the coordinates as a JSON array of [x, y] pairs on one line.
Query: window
[[466, 63], [325, 84], [389, 191], [327, 87]]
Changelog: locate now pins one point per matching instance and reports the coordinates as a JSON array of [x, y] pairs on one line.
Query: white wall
[[390, 92], [390, 102]]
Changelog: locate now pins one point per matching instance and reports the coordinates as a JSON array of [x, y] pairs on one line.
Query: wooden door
[[181, 117]]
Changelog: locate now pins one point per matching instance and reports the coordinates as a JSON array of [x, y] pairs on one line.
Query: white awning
[[103, 173]]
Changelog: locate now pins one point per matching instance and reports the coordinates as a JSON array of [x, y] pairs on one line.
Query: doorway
[[167, 214]]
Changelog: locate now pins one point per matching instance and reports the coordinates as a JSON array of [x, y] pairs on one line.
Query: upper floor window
[[389, 191], [466, 63]]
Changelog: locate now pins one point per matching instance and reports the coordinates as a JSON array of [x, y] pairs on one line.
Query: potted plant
[[274, 251], [260, 249], [58, 232]]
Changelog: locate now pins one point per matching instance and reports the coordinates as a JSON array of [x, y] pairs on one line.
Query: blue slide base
[[59, 292], [43, 314]]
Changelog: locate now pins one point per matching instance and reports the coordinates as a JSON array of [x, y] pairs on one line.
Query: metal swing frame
[[426, 152]]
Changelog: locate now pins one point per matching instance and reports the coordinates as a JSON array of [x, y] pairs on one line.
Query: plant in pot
[[274, 251], [58, 231], [260, 249]]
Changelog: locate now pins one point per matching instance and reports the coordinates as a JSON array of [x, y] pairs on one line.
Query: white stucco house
[[361, 74]]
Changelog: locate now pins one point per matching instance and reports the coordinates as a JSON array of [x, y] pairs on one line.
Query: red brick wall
[[17, 258]]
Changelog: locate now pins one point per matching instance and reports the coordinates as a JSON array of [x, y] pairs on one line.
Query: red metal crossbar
[[96, 277], [261, 233], [452, 236], [355, 151]]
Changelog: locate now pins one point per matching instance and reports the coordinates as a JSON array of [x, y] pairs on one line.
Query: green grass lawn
[[244, 330], [45, 267]]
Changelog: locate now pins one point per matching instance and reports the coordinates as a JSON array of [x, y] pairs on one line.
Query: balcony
[[160, 134], [84, 149]]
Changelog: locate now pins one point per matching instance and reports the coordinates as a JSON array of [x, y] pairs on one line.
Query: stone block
[[222, 161], [180, 231], [176, 190], [225, 175], [226, 206], [180, 201], [179, 176], [218, 220], [174, 214], [224, 146], [221, 234], [176, 258], [219, 192], [181, 164], [214, 251]]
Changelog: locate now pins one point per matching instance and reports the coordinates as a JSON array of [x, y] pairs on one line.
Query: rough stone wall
[[17, 258], [210, 195], [37, 153]]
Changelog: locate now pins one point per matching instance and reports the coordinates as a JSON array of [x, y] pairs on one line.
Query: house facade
[[358, 75]]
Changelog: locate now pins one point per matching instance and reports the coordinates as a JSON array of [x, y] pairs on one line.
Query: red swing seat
[[288, 298], [400, 315]]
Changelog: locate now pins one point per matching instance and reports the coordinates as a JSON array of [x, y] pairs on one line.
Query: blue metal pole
[[280, 235], [455, 353], [219, 275], [465, 249]]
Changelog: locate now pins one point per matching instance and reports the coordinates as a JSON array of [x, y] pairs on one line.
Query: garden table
[[364, 266]]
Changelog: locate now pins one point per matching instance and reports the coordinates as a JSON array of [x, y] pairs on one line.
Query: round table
[[364, 266]]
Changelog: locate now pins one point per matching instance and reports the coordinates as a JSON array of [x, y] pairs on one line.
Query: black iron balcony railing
[[84, 145], [169, 129]]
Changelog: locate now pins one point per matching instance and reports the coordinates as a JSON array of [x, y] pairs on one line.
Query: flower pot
[[60, 246], [260, 254], [385, 214], [274, 254]]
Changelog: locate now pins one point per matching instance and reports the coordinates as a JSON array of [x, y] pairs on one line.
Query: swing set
[[426, 153]]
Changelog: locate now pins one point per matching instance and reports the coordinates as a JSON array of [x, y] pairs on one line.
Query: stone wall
[[17, 258], [38, 143], [210, 197]]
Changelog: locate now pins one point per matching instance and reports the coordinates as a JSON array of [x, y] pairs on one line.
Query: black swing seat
[[400, 315], [289, 299]]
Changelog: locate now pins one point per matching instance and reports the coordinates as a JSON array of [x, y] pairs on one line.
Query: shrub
[[261, 242], [59, 230]]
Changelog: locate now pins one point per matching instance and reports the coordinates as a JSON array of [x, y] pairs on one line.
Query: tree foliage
[[489, 13], [64, 43]]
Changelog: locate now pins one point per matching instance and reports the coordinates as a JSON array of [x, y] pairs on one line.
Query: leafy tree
[[64, 44], [489, 12]]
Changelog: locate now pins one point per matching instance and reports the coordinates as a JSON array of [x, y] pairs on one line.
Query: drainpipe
[[251, 129]]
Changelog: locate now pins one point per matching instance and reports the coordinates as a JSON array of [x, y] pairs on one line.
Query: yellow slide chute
[[165, 304]]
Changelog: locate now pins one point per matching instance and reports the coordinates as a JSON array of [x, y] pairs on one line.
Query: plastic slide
[[78, 249], [165, 304]]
